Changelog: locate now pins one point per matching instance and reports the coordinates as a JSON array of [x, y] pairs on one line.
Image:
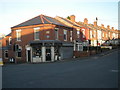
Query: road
[[93, 72]]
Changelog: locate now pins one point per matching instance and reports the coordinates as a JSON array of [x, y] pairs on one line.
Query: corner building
[[41, 39]]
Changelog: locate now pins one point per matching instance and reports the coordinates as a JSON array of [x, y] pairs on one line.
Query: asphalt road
[[99, 71]]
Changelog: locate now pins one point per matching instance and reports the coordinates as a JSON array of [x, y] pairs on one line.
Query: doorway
[[29, 55], [48, 54]]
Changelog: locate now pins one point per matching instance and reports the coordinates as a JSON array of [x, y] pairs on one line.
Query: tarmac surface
[[97, 71]]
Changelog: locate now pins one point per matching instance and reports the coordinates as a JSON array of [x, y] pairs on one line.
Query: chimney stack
[[72, 18], [112, 28], [85, 21], [102, 26], [95, 23], [108, 27]]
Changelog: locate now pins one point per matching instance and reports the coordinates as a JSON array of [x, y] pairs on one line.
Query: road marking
[[114, 70], [95, 57]]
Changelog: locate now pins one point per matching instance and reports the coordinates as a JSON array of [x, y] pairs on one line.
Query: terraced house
[[46, 39]]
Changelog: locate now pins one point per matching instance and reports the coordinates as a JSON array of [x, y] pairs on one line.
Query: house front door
[[48, 54], [29, 55]]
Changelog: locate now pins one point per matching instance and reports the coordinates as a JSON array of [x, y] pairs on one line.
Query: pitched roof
[[68, 21], [41, 19], [8, 34]]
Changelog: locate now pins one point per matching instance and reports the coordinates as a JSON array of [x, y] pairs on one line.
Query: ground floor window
[[6, 53], [19, 54], [36, 51]]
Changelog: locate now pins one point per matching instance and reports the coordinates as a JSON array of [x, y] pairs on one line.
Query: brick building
[[44, 39]]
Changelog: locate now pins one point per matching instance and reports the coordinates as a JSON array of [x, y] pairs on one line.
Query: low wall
[[93, 52], [81, 53]]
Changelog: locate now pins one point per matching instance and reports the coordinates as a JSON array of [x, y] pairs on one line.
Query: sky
[[13, 12]]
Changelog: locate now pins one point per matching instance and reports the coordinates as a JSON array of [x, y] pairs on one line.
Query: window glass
[[36, 33], [18, 35], [6, 54], [65, 35]]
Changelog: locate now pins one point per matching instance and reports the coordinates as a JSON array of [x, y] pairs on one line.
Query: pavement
[[91, 56]]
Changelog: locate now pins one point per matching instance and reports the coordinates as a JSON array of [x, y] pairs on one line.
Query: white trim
[[10, 38], [43, 54], [5, 54], [36, 30], [18, 35], [52, 53], [65, 33], [56, 36], [71, 36]]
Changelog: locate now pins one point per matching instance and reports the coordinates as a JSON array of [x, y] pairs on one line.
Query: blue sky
[[13, 12]]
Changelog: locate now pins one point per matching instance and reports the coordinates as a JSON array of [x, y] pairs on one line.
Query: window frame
[[71, 36], [10, 40], [18, 35], [5, 54], [56, 34], [37, 32], [78, 33], [65, 35], [83, 32]]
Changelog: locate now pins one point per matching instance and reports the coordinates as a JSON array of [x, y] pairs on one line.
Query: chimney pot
[[85, 21], [108, 27], [95, 23], [102, 26], [112, 28]]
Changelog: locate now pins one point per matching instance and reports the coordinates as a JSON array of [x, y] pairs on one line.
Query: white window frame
[[10, 38], [18, 35], [71, 35], [36, 31], [99, 34], [109, 34], [94, 33], [83, 32], [78, 33], [65, 33], [5, 53], [103, 35], [56, 34], [90, 34]]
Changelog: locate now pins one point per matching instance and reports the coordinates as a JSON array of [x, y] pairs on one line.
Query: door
[[29, 56], [48, 54]]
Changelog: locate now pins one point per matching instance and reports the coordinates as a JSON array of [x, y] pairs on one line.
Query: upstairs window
[[109, 34], [83, 31], [18, 35], [78, 33], [94, 33], [10, 40], [56, 33], [71, 35], [90, 34], [36, 33], [103, 35], [65, 35]]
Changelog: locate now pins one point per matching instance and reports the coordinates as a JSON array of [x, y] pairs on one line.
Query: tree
[[68, 17]]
